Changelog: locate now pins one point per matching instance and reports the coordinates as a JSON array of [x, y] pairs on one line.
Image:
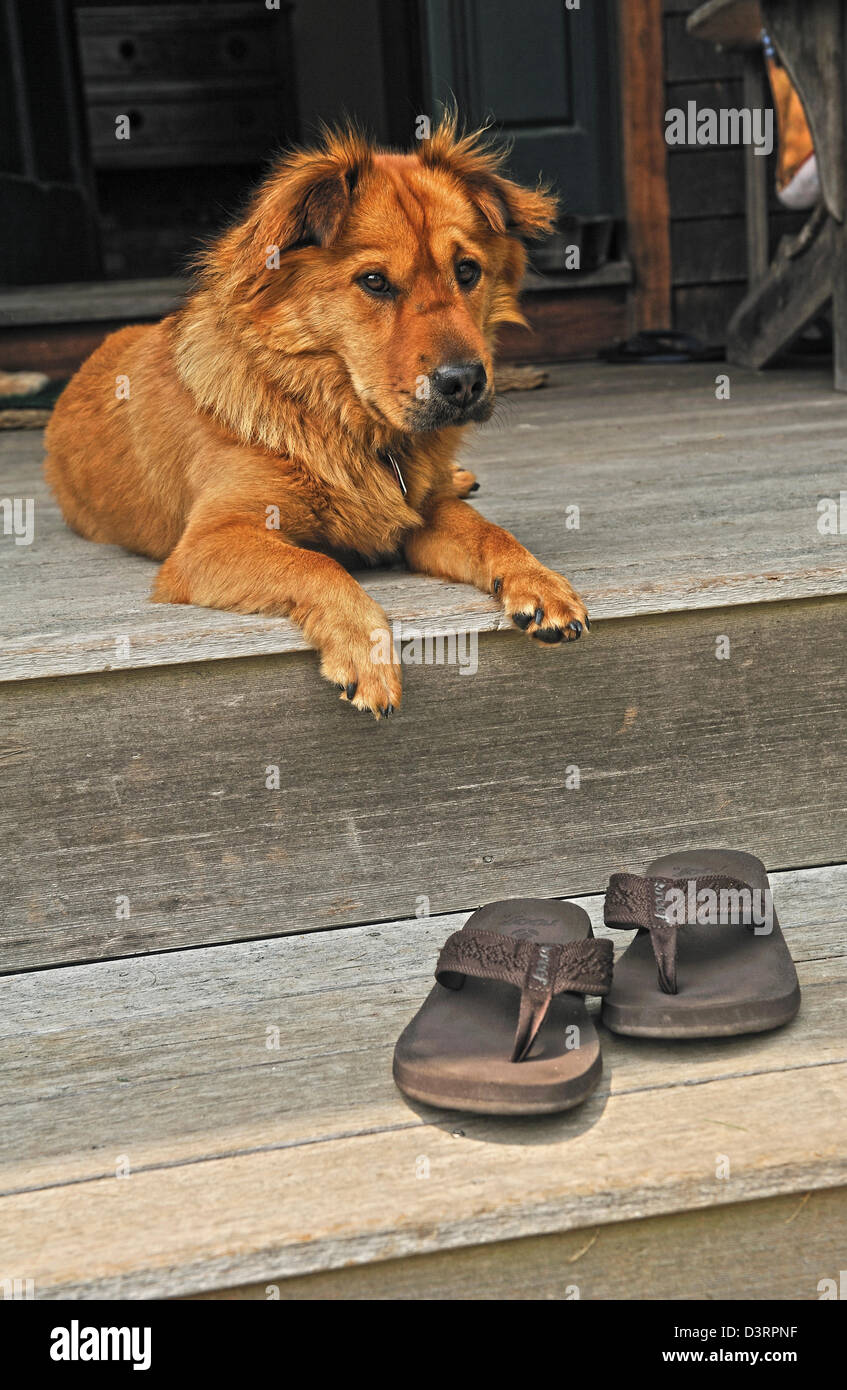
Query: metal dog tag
[[398, 475]]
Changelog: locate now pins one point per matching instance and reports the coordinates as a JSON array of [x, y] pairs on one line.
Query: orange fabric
[[795, 137]]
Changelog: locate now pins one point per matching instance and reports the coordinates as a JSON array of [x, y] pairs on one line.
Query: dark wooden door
[[48, 224], [545, 73]]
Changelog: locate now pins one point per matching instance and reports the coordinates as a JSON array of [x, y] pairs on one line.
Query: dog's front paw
[[464, 481], [542, 604], [362, 662]]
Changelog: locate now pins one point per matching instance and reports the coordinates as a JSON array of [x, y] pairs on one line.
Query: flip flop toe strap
[[540, 970], [661, 905]]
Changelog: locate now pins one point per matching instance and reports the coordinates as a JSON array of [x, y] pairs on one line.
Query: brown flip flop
[[706, 926], [463, 1050]]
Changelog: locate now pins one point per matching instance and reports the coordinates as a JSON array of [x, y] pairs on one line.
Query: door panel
[[48, 226], [545, 73]]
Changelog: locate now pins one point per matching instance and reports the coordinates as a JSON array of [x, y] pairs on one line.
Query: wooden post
[[645, 161], [756, 175]]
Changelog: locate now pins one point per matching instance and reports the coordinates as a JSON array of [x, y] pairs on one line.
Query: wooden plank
[[86, 301], [705, 183], [706, 310], [711, 250], [716, 249], [565, 326], [645, 160], [731, 23], [128, 301], [688, 59], [611, 273], [711, 92], [569, 320], [709, 182], [133, 1081], [153, 784], [775, 1249], [130, 1069], [274, 1212], [669, 462], [57, 349]]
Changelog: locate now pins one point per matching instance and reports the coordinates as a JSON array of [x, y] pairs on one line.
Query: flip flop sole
[[730, 980], [455, 1052]]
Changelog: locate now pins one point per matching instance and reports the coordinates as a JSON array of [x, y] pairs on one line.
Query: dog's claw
[[498, 584], [539, 616], [351, 689], [576, 626], [474, 487], [587, 623]]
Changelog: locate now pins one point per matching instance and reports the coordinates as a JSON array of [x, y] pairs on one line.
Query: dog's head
[[401, 266]]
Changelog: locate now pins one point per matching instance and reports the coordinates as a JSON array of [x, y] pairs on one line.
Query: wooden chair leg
[[796, 288]]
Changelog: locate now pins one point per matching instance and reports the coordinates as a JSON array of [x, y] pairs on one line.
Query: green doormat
[[30, 412]]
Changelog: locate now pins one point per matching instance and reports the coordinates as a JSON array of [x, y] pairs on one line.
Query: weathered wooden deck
[[235, 1061]]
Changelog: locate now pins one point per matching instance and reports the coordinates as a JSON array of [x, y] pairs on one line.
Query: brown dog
[[309, 398]]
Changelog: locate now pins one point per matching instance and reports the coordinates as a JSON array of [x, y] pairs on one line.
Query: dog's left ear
[[525, 213]]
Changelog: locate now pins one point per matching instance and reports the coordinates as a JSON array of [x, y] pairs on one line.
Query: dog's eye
[[375, 283], [468, 273]]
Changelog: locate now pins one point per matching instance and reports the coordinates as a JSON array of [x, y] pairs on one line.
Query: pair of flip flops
[[658, 346], [709, 960]]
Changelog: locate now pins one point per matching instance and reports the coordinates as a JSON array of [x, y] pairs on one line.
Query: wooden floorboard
[[136, 814], [780, 1248], [105, 1033], [686, 502], [249, 1163]]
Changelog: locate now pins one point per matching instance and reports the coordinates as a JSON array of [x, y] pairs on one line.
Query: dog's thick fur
[[244, 440]]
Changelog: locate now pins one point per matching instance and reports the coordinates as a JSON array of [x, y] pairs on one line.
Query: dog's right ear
[[303, 202], [309, 194]]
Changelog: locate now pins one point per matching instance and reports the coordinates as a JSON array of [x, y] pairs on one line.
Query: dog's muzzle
[[459, 393]]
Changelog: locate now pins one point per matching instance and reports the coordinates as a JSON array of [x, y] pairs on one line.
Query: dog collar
[[389, 458]]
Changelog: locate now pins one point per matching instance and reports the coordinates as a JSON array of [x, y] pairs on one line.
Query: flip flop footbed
[[730, 978], [456, 1051]]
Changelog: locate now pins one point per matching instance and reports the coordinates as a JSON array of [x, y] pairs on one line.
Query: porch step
[[245, 1094], [136, 301], [686, 502], [168, 912], [141, 743]]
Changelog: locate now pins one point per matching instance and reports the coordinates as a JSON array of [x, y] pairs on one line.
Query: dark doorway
[[131, 131]]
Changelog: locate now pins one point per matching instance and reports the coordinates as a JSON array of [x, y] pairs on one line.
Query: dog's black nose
[[461, 382]]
